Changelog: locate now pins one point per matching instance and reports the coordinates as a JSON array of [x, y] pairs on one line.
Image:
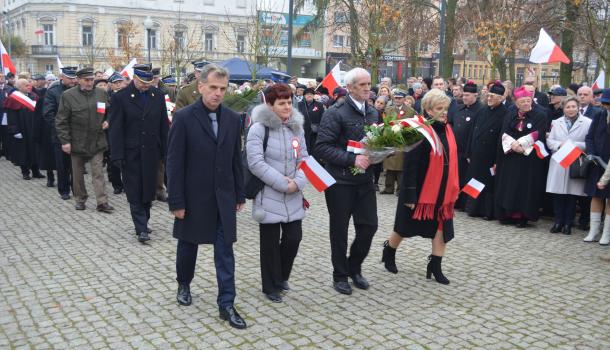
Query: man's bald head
[[585, 96], [22, 85]]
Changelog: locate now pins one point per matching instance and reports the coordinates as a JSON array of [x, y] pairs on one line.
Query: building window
[[48, 68], [341, 17], [152, 39], [48, 34], [209, 42], [179, 37], [87, 35], [338, 40], [241, 43]]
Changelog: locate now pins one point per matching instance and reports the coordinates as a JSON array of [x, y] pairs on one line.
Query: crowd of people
[[490, 133]]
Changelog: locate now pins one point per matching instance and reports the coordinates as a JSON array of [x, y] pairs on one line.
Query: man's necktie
[[582, 111], [214, 123]]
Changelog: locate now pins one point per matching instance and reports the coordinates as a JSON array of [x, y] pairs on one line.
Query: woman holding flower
[[429, 188]]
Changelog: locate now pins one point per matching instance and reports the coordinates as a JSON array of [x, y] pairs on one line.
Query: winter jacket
[[79, 123], [558, 178], [343, 122], [273, 204], [51, 105]]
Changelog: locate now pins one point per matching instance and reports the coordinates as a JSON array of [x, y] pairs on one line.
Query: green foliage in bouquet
[[392, 134], [240, 102]]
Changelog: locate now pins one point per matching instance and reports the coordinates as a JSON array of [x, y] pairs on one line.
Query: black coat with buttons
[[138, 138]]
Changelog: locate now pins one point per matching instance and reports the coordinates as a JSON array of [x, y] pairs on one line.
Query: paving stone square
[[79, 280]]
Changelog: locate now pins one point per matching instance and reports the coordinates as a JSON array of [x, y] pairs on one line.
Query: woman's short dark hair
[[277, 92]]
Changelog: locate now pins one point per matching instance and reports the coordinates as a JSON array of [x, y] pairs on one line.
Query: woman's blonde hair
[[434, 97]]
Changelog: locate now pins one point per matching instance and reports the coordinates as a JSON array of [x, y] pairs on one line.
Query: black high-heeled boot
[[389, 257], [434, 268]]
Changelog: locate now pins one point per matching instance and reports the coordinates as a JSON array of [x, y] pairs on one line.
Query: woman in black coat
[[429, 189]]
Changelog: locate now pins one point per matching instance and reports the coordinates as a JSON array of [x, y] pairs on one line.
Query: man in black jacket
[[312, 110], [352, 195], [49, 111]]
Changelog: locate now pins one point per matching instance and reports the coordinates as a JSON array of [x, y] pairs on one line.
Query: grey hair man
[[352, 195]]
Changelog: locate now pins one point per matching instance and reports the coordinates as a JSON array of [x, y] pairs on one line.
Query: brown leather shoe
[[105, 207]]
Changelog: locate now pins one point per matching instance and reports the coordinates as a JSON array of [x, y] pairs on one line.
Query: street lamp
[[148, 24]]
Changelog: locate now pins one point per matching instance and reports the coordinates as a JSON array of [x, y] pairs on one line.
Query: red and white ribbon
[[101, 107], [296, 148]]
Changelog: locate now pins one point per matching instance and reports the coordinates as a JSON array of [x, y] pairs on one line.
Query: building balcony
[[44, 50]]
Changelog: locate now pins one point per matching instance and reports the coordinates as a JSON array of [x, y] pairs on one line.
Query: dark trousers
[[64, 170], [564, 206], [392, 177], [343, 202], [584, 203], [224, 262], [377, 170], [277, 252], [25, 170], [3, 140], [140, 214]]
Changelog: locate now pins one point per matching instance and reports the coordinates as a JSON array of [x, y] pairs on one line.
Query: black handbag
[[581, 167]]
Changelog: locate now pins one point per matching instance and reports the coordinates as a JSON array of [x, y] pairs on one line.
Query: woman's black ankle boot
[[434, 268], [389, 257]]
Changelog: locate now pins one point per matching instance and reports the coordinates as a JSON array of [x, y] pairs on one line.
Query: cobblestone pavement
[[71, 280]]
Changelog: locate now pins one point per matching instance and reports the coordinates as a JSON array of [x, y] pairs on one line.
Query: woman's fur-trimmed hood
[[264, 115]]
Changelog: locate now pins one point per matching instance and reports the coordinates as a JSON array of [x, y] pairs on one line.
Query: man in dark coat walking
[[462, 124], [49, 111], [46, 157], [352, 195], [482, 151], [138, 138], [205, 183], [312, 110]]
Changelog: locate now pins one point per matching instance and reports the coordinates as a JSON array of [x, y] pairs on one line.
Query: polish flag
[[333, 79], [101, 107], [546, 51], [599, 83], [540, 149], [24, 100], [473, 188], [316, 174], [128, 70], [7, 64], [355, 147], [567, 154]]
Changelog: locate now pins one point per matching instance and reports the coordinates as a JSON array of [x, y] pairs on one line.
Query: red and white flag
[[101, 107], [567, 154], [332, 79], [24, 100], [546, 51], [599, 83], [355, 147], [540, 149], [473, 188], [128, 70], [7, 64], [316, 174]]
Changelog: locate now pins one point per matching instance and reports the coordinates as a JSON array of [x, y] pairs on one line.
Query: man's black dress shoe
[[184, 295], [360, 281], [567, 230], [65, 196], [79, 206], [284, 286], [556, 228], [342, 287], [143, 237], [230, 314], [38, 175], [274, 297]]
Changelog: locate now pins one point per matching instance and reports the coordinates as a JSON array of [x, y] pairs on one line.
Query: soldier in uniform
[[170, 83], [138, 139], [49, 111], [190, 93]]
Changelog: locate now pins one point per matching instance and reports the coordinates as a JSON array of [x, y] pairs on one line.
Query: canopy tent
[[240, 69]]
